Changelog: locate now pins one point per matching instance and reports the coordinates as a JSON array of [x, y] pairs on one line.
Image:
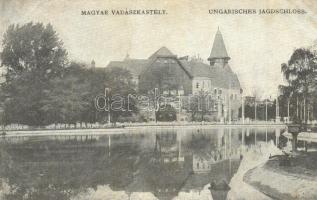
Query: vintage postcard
[[158, 100]]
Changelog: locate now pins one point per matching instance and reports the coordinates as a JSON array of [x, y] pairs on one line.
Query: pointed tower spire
[[218, 52]]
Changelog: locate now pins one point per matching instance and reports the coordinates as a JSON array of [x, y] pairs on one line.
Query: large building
[[174, 75]]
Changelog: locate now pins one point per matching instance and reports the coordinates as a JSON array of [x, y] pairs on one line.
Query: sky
[[257, 44]]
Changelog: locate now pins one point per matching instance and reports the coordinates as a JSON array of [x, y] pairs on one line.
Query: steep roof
[[222, 77], [162, 52], [135, 66], [218, 48]]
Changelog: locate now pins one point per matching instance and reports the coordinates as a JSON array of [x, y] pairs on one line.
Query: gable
[[165, 73], [162, 52]]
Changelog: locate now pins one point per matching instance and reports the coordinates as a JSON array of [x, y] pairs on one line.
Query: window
[[235, 96], [197, 85], [220, 91], [215, 91]]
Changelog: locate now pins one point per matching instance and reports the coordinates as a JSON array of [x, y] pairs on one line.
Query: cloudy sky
[[257, 44]]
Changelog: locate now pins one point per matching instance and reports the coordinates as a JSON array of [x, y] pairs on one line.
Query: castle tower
[[218, 55]]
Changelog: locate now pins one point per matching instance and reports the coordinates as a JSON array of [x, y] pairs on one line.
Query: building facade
[[180, 76]]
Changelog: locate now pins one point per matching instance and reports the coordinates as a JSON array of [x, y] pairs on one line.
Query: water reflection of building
[[130, 167], [222, 146], [202, 162], [215, 160], [168, 148]]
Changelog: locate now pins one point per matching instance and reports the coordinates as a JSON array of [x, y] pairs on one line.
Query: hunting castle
[[179, 76]]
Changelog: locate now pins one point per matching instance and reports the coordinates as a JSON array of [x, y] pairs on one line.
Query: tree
[[122, 103], [32, 48], [64, 101], [193, 106], [300, 74], [96, 78], [287, 100], [166, 113], [200, 103], [33, 55]]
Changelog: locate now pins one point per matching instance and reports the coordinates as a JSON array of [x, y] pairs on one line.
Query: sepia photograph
[[158, 100]]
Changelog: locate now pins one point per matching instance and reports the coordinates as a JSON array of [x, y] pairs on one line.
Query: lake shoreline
[[129, 129], [285, 182], [252, 158]]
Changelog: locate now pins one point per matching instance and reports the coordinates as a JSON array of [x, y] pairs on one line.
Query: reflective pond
[[141, 164]]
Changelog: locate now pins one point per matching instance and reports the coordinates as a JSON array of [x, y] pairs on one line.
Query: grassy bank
[[297, 181]]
